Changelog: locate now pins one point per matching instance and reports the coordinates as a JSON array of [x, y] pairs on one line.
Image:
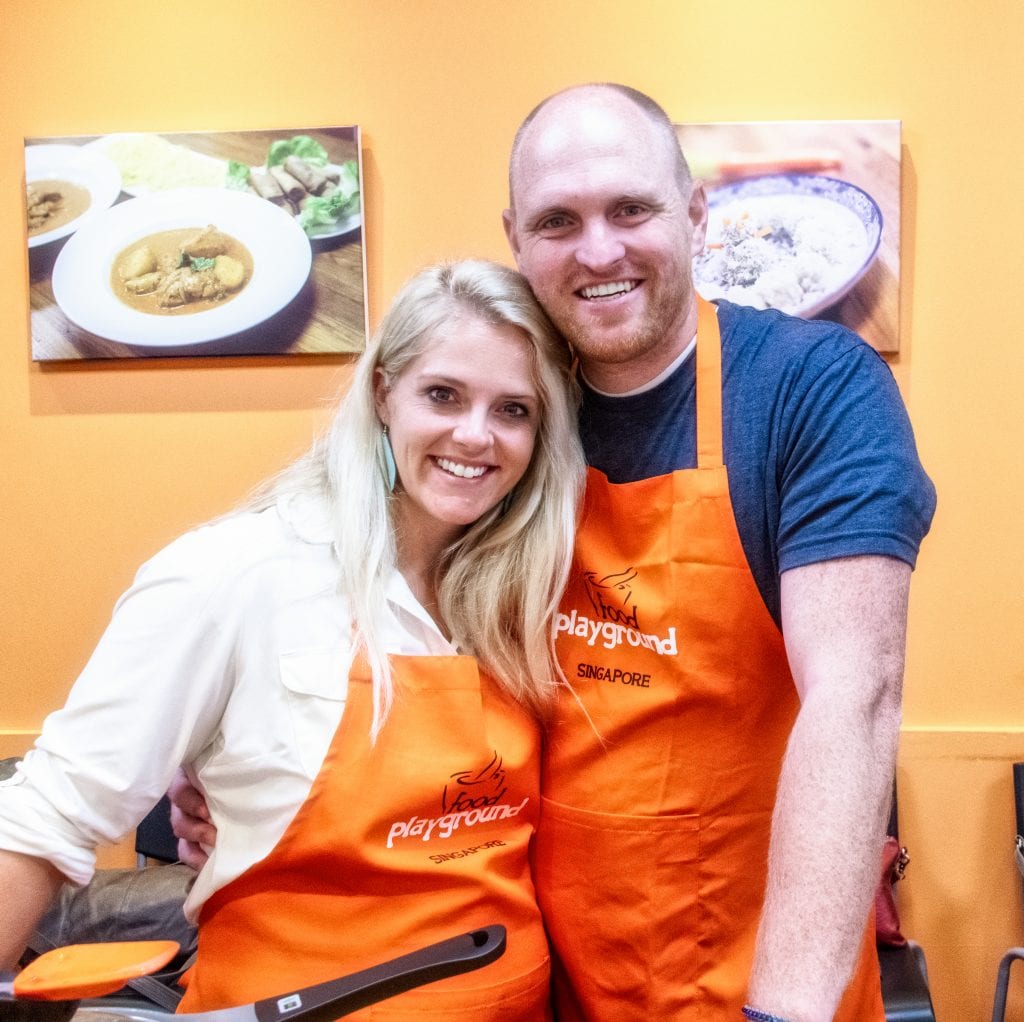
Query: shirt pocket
[[316, 685]]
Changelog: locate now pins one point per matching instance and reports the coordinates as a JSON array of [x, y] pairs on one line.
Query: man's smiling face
[[605, 232]]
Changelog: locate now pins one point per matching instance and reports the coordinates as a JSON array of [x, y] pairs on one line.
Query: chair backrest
[[1015, 954], [154, 838], [905, 992], [1018, 795]]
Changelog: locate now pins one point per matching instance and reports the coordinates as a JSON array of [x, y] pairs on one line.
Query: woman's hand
[[190, 821]]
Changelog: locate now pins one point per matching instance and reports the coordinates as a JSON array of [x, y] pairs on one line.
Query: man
[[734, 641], [661, 773]]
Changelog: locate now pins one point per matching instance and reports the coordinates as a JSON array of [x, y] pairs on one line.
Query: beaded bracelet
[[760, 1016]]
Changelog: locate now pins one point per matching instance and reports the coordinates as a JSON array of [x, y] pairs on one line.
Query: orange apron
[[420, 837], [652, 848]]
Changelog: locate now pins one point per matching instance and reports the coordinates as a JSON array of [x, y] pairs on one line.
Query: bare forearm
[[823, 867], [844, 624], [27, 887]]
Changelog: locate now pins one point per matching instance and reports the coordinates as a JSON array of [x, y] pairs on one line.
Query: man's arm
[[27, 886], [190, 821], [844, 623]]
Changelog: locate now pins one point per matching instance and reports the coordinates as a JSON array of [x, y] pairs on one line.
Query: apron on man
[[419, 837], [652, 848]]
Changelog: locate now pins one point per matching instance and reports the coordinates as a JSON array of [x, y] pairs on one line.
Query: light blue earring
[[390, 468]]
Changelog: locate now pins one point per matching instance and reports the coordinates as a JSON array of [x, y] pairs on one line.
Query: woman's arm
[[27, 886], [150, 697]]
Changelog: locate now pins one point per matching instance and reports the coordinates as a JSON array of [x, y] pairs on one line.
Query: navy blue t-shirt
[[820, 454]]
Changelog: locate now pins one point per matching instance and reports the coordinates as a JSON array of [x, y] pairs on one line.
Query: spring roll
[[310, 177], [266, 186], [291, 187]]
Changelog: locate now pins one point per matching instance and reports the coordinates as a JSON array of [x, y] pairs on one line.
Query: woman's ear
[[380, 395]]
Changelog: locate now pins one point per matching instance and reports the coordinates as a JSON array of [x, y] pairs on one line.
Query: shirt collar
[[650, 384]]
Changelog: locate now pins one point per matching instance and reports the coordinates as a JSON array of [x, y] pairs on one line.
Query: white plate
[[346, 225], [832, 209], [78, 165], [281, 262]]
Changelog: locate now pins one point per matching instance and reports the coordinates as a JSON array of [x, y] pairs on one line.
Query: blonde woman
[[352, 666]]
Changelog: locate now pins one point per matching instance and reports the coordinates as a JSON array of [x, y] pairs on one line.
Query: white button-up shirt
[[230, 653]]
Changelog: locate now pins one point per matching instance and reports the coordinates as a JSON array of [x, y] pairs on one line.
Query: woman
[[417, 550]]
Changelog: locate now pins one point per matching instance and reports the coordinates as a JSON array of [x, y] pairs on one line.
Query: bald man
[[717, 783]]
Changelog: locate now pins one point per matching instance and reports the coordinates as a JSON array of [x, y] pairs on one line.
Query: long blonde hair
[[501, 580]]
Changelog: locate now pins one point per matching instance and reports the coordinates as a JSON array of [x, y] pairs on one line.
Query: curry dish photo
[[52, 204], [181, 271]]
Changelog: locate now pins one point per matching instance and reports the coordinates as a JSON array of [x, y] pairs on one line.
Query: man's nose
[[599, 246]]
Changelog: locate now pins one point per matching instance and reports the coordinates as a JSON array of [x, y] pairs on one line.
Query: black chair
[[905, 984], [905, 992], [154, 838], [1015, 953]]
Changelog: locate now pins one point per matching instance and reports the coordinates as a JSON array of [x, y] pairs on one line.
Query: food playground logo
[[616, 619], [470, 797]]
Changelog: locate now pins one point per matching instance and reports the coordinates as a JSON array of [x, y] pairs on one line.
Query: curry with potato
[[181, 271]]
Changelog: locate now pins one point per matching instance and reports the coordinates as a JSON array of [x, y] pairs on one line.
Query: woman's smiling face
[[462, 419]]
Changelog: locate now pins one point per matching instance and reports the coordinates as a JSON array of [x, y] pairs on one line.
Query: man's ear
[[698, 213], [508, 222], [380, 394]]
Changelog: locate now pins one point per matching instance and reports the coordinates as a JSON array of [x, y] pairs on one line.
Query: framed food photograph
[[803, 216], [152, 244]]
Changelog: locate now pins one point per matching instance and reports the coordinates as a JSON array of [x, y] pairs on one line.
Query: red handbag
[[887, 916]]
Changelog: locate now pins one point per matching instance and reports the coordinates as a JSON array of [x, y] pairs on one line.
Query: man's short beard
[[650, 333], [622, 349]]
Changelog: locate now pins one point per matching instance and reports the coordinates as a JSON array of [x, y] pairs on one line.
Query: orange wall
[[104, 463]]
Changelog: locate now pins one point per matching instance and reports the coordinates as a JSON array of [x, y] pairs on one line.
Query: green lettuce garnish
[[343, 202], [300, 145], [237, 176]]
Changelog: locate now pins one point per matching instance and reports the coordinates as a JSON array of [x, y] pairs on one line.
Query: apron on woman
[[417, 838], [653, 842]]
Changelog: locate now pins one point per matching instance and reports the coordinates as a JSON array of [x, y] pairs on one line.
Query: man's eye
[[555, 222], [633, 209]]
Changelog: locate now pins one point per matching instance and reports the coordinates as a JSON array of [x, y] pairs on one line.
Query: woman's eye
[[516, 411], [442, 395]]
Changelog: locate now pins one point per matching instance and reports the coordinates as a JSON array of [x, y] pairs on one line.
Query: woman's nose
[[472, 428]]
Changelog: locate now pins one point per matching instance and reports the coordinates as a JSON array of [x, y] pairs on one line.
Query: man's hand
[[190, 821]]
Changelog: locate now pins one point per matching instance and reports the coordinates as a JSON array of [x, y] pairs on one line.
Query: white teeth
[[618, 287], [465, 471]]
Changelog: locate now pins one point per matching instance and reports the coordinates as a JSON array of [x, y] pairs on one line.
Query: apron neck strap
[[709, 387]]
